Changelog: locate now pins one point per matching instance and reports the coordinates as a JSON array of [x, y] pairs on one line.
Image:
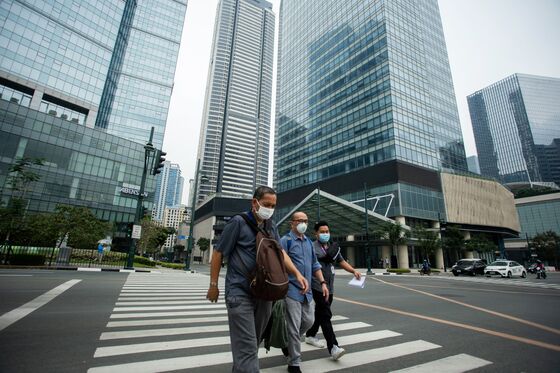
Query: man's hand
[[357, 275], [302, 283], [213, 294], [325, 291]]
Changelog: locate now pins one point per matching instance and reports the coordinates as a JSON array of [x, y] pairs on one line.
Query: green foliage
[[428, 241], [398, 270], [529, 192], [179, 248], [153, 237], [145, 261], [27, 260], [79, 225], [172, 265], [547, 245], [453, 240], [481, 244], [21, 177], [203, 244], [394, 233]]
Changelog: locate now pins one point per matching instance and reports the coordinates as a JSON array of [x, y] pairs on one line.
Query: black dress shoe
[[294, 369], [285, 351]]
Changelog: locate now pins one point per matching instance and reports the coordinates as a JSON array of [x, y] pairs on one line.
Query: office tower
[[516, 124], [235, 131], [472, 163], [173, 216], [57, 60], [136, 96], [364, 95], [169, 189]]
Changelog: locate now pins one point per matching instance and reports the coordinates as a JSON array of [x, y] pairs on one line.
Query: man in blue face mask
[[300, 307], [328, 254]]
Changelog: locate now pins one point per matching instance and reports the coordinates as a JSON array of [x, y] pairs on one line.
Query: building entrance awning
[[344, 218]]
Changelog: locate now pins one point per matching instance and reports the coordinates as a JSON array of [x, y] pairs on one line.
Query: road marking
[[350, 326], [147, 297], [160, 302], [15, 275], [11, 317], [163, 291], [355, 359], [164, 332], [499, 314], [169, 308], [452, 364], [487, 290], [460, 325], [164, 314], [189, 320]]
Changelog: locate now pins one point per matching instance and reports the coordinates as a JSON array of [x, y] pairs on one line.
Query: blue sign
[[182, 237]]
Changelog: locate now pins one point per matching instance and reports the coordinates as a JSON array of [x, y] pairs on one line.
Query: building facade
[[173, 216], [66, 68], [235, 130], [516, 125], [169, 189], [472, 163], [366, 111]]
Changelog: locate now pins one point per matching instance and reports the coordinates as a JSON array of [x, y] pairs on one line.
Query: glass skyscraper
[[235, 130], [365, 95], [81, 84], [516, 125], [169, 189]]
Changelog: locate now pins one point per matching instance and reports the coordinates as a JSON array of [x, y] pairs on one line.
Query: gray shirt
[[326, 267], [237, 244]]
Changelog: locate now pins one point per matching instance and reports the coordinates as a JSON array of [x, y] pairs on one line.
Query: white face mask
[[301, 228], [264, 212]]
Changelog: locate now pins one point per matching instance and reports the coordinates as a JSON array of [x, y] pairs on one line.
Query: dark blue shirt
[[303, 256], [237, 244]]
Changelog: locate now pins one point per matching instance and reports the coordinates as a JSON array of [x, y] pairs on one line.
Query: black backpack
[[269, 281]]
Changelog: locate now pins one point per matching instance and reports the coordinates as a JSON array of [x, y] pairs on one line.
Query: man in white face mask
[[300, 306], [247, 315]]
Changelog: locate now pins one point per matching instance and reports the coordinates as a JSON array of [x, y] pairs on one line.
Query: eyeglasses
[[301, 221]]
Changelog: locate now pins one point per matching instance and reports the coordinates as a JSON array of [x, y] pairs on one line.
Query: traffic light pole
[[148, 150], [190, 240]]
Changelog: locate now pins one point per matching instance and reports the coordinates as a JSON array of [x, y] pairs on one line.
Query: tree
[[453, 240], [19, 180], [428, 241], [203, 244], [153, 237], [547, 245], [79, 226], [394, 233], [480, 244]]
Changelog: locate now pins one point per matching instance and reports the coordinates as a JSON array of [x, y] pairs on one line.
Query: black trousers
[[323, 316]]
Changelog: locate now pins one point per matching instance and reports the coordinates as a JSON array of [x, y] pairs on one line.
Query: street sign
[[136, 231], [182, 237], [534, 255]]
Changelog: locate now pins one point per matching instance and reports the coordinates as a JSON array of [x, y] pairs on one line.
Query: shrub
[[398, 270], [27, 259], [145, 261], [172, 265]]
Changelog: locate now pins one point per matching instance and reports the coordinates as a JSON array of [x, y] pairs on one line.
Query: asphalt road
[[138, 322]]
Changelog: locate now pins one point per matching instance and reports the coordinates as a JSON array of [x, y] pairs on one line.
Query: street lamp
[[190, 240], [368, 259], [149, 152], [441, 230]]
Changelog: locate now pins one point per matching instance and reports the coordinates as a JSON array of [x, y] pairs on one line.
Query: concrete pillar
[[468, 254], [402, 256], [439, 258], [386, 253], [36, 100]]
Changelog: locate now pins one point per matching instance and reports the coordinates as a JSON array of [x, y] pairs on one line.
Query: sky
[[487, 40]]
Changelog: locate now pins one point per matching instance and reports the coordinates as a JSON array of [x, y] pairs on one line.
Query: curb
[[83, 269]]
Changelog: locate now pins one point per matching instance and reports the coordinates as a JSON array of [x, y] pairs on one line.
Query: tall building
[[169, 189], [472, 163], [235, 131], [137, 94], [516, 125], [65, 69], [173, 216], [365, 96]]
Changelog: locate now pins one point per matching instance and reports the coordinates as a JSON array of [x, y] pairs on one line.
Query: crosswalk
[[162, 322], [500, 281]]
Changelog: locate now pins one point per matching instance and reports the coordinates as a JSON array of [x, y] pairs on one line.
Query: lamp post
[[441, 229], [149, 152], [190, 240], [368, 259]]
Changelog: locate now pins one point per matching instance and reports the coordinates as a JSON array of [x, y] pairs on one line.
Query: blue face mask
[[324, 237]]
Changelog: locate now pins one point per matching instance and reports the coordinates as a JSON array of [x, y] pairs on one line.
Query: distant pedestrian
[[247, 315], [328, 254], [300, 307], [99, 252], [387, 265]]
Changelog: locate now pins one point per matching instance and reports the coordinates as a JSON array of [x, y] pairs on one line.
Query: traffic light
[[160, 158], [129, 227], [145, 213]]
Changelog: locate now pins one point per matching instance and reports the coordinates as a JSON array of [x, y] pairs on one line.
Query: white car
[[505, 268]]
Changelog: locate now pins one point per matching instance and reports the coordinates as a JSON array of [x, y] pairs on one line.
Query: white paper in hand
[[358, 283]]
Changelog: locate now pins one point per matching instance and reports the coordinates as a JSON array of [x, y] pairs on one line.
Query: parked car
[[505, 268], [471, 267]]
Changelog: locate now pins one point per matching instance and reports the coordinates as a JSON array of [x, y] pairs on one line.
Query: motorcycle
[[425, 271], [532, 268], [541, 273]]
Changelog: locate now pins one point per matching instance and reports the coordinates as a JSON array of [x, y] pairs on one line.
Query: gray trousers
[[247, 318], [299, 318]]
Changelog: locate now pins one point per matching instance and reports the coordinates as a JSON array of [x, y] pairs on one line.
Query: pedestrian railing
[[60, 257]]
